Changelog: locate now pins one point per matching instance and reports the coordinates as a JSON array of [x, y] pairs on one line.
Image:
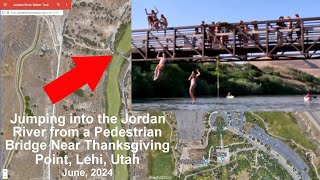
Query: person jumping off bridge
[[153, 19], [193, 77], [160, 66]]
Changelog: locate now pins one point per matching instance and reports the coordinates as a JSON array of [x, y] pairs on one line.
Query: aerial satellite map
[[38, 49], [202, 97]]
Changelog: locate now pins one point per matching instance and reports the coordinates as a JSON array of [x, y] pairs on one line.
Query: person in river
[[160, 66], [192, 78], [308, 95]]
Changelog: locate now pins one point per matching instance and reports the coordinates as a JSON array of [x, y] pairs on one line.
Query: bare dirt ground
[[309, 66], [17, 38]]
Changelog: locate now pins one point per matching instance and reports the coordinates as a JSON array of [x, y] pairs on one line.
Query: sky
[[192, 12]]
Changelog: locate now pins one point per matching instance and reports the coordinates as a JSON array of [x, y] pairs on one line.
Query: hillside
[[309, 66], [239, 79]]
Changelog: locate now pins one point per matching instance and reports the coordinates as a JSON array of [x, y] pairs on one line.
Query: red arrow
[[88, 70]]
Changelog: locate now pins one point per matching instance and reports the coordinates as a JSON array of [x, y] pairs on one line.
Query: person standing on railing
[[280, 25], [204, 31], [298, 25], [194, 39], [211, 31], [160, 66], [154, 18], [217, 31], [240, 35], [192, 78], [289, 25]]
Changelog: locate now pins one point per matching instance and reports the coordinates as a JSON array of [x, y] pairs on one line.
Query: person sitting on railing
[[204, 31], [289, 25], [160, 66], [150, 22], [280, 25], [163, 23], [298, 25], [154, 18], [194, 39]]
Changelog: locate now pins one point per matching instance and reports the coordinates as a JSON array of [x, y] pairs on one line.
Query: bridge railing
[[248, 40]]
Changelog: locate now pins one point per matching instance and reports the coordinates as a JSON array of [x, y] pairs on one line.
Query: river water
[[244, 103]]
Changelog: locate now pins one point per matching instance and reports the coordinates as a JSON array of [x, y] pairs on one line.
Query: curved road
[[18, 75]]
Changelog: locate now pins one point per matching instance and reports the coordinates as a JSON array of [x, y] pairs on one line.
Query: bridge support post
[[147, 46], [267, 39], [302, 36], [218, 78], [203, 41], [174, 42]]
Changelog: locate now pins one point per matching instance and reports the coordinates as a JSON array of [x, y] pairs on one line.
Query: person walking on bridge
[[298, 25], [280, 25], [160, 66], [192, 78], [289, 25]]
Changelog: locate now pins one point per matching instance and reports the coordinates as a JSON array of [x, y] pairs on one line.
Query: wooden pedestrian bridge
[[248, 41]]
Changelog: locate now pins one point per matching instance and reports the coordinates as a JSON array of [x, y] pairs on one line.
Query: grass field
[[160, 163], [114, 97], [214, 139], [282, 125], [224, 173]]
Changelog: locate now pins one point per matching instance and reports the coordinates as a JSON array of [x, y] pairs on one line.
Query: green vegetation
[[261, 173], [113, 97], [122, 30], [88, 41], [62, 154], [239, 79], [220, 124], [27, 98], [79, 92], [251, 119], [243, 163], [27, 109], [228, 138], [83, 4], [160, 163], [224, 173], [282, 125]]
